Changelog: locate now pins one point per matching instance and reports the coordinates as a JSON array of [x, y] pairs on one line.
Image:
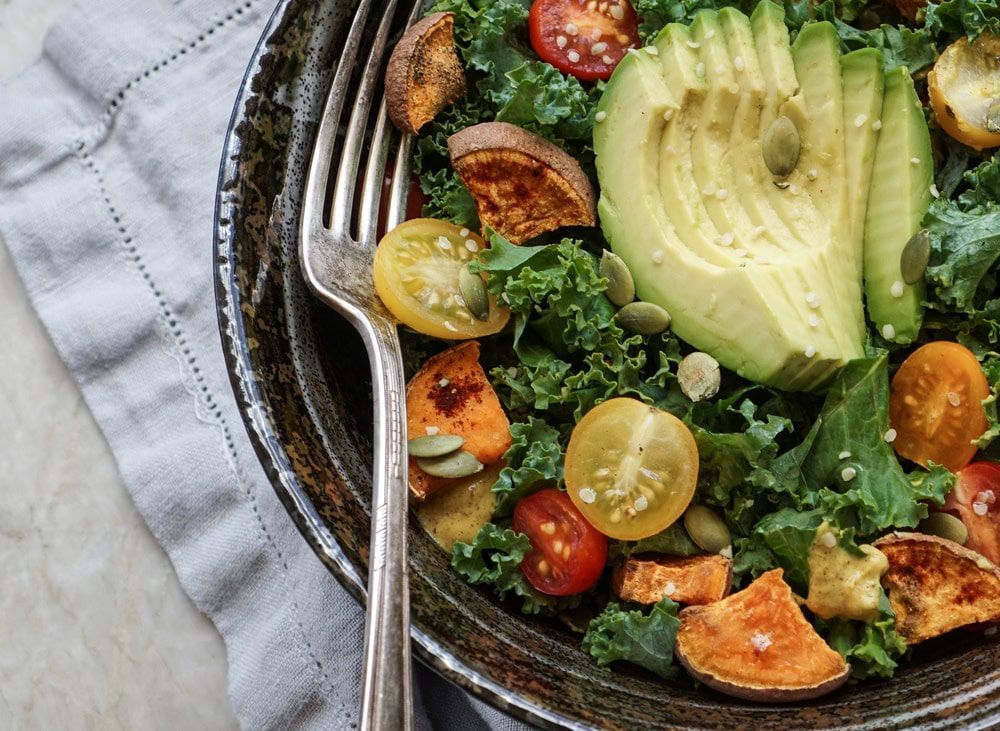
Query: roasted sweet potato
[[523, 185], [691, 580], [757, 645], [450, 394], [424, 74], [936, 585]]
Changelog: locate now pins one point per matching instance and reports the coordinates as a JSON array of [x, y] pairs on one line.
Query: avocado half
[[762, 272]]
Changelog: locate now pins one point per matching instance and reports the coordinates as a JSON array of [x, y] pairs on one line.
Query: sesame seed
[[596, 34], [844, 455], [512, 372], [722, 194], [727, 552], [652, 50], [859, 121], [693, 44], [848, 473], [431, 430], [810, 351], [914, 160], [828, 539], [617, 12], [669, 588], [813, 319], [889, 437], [607, 59], [571, 29], [548, 528], [888, 331], [600, 116], [980, 508], [699, 68], [954, 399], [641, 503], [587, 495], [738, 63], [934, 191], [987, 496], [657, 257], [464, 232], [896, 290], [449, 326], [444, 382], [710, 33], [877, 125], [812, 299], [561, 41], [812, 174], [573, 56], [760, 641]]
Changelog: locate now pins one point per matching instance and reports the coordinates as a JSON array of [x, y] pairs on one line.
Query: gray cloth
[[109, 152]]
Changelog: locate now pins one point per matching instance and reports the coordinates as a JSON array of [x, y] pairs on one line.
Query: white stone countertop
[[96, 632]]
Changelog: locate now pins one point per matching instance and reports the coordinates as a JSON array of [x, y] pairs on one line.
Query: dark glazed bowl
[[301, 378]]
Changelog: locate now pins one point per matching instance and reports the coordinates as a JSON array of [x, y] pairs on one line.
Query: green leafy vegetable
[[534, 460], [673, 540], [963, 17], [646, 640], [871, 648]]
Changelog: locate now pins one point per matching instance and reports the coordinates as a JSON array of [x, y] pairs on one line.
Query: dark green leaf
[[646, 640]]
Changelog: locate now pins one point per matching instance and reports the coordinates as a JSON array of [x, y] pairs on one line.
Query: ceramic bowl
[[301, 377]]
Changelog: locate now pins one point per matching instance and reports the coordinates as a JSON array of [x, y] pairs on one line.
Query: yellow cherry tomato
[[631, 468], [964, 88], [417, 268]]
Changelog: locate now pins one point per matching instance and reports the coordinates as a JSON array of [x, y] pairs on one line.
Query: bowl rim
[[267, 445]]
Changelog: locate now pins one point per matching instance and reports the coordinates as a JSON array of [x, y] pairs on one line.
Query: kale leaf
[[871, 648], [533, 461], [646, 640]]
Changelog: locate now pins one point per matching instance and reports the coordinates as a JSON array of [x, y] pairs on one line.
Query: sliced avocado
[[900, 194], [679, 125], [863, 84]]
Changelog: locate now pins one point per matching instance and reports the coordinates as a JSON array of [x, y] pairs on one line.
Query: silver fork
[[337, 264]]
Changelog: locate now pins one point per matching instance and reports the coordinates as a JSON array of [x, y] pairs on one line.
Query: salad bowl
[[300, 375]]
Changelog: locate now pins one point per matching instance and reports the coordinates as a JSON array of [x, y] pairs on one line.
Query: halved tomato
[[567, 553], [964, 90], [975, 500], [630, 468], [417, 267], [585, 38], [936, 405]]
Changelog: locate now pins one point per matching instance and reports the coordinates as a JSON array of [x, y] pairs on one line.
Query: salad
[[701, 317]]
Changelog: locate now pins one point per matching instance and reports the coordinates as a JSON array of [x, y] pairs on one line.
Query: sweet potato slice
[[936, 585], [757, 645], [687, 580], [523, 185], [424, 74], [450, 394]]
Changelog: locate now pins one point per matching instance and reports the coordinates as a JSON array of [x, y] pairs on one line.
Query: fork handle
[[386, 692]]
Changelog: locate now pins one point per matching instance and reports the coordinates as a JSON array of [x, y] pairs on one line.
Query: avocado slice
[[759, 275], [900, 194]]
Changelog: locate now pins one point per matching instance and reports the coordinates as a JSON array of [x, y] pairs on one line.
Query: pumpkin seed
[[621, 287], [456, 464], [707, 529], [473, 290], [781, 146], [916, 254], [944, 525], [643, 318], [434, 445], [993, 119], [699, 376]]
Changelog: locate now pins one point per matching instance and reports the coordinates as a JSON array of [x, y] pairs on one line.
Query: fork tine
[[347, 173], [399, 192], [319, 164], [371, 188]]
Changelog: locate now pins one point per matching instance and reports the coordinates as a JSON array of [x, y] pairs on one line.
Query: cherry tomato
[[963, 88], [585, 38], [417, 267], [936, 406], [975, 500], [630, 468], [567, 553]]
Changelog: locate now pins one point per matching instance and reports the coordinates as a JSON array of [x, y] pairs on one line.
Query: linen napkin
[[109, 152]]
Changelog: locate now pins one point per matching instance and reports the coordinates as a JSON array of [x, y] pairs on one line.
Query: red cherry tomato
[[568, 554], [585, 38], [975, 500]]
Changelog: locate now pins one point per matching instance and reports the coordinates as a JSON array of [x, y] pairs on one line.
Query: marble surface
[[97, 633]]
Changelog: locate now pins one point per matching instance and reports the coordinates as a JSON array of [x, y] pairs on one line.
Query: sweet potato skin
[[692, 579], [936, 585], [757, 645], [522, 184], [424, 74], [451, 393]]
